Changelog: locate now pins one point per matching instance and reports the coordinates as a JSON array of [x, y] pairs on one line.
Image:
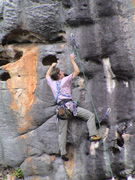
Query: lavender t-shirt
[[65, 87]]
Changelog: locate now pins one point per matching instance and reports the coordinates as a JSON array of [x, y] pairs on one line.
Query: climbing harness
[[108, 110], [62, 109]]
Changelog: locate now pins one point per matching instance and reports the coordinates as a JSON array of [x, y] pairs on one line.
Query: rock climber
[[61, 88]]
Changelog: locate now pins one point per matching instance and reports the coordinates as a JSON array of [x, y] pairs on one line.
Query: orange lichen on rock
[[134, 7], [22, 85], [134, 2], [30, 165], [24, 136], [34, 178], [126, 137], [53, 158]]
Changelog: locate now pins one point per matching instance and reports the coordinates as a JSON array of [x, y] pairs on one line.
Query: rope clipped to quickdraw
[[106, 114], [108, 110]]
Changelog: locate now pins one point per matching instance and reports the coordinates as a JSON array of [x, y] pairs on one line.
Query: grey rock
[[105, 42]]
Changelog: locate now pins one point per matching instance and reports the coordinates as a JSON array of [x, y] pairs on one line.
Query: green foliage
[[18, 173], [5, 177]]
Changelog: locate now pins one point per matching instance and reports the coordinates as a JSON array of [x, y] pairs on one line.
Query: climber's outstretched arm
[[49, 70], [75, 66]]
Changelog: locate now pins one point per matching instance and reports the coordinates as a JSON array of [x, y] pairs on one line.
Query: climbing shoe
[[65, 158], [94, 138]]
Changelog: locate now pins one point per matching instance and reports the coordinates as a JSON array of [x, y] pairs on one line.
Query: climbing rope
[[108, 110]]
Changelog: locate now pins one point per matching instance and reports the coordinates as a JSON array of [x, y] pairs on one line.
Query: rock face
[[35, 33]]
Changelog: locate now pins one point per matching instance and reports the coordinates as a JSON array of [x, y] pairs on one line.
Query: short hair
[[54, 73]]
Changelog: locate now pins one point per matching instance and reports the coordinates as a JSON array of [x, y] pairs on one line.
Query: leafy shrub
[[18, 173]]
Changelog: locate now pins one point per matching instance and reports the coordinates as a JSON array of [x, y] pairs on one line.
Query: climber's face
[[61, 74]]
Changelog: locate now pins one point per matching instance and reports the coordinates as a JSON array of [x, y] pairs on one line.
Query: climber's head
[[57, 74]]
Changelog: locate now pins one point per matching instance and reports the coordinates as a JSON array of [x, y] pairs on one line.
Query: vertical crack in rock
[[69, 165], [109, 75], [22, 86], [127, 150], [93, 146], [120, 131]]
